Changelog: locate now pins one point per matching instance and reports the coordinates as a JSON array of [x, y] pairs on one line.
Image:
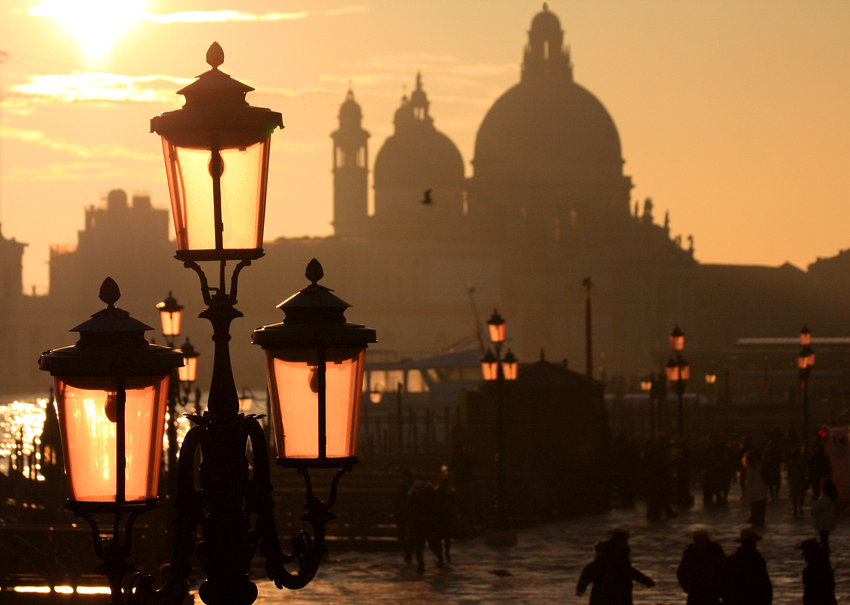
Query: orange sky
[[732, 115]]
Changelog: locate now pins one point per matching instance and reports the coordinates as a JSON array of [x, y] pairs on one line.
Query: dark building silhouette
[[547, 204]]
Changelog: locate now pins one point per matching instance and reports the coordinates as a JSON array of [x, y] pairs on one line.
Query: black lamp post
[[678, 371], [216, 152], [805, 362], [498, 369]]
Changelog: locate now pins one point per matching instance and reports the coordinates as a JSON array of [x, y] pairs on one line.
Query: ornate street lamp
[[497, 370], [315, 362], [170, 316], [111, 391], [678, 372], [805, 363], [188, 374]]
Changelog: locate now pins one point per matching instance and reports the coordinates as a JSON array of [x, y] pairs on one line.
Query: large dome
[[539, 124], [547, 128]]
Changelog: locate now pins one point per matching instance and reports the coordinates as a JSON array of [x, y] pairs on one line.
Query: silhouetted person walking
[[701, 570], [746, 581], [611, 572], [443, 511], [818, 579], [823, 512], [795, 466], [820, 466], [412, 518], [755, 489]]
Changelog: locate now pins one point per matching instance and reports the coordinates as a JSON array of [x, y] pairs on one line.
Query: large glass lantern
[[111, 391], [216, 150], [170, 316], [315, 362]]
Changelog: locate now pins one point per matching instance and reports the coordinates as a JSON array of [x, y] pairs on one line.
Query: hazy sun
[[96, 24]]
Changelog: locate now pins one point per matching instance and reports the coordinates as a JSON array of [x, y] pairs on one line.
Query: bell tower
[[351, 172]]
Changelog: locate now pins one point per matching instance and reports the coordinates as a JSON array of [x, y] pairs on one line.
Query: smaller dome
[[546, 20], [350, 109]]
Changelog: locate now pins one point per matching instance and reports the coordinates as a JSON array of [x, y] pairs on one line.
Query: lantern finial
[[109, 292], [215, 55], [314, 271]]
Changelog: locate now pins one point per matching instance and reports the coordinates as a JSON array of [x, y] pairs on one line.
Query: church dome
[[547, 128], [536, 126], [546, 20], [417, 155]]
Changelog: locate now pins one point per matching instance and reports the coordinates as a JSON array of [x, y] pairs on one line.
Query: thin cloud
[[101, 87], [219, 16], [37, 137]]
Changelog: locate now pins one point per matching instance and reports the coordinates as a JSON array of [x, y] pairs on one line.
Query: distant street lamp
[[111, 385], [171, 318], [648, 387], [497, 370], [678, 372], [805, 363]]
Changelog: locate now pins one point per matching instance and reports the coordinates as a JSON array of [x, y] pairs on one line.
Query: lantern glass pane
[[677, 342], [510, 370], [293, 386], [490, 369], [802, 361], [243, 195], [171, 322], [685, 372], [497, 332], [88, 422], [672, 373], [189, 371]]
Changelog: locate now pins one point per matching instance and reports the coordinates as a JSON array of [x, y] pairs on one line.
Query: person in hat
[[818, 579], [701, 569], [746, 581], [611, 572]]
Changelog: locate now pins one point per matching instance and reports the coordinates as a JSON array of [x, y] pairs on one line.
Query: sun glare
[[96, 24]]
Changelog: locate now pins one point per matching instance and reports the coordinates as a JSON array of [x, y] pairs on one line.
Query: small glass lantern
[[315, 362], [510, 366], [188, 373], [672, 370], [170, 315], [496, 323], [710, 378], [111, 391], [490, 366], [805, 337], [216, 150], [677, 340]]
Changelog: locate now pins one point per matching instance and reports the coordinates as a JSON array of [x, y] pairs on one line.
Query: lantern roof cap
[[314, 316], [216, 101], [111, 343]]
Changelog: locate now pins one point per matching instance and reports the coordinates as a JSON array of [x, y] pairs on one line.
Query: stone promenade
[[544, 566]]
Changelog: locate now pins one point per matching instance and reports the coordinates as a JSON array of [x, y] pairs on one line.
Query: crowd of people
[[664, 473], [705, 573]]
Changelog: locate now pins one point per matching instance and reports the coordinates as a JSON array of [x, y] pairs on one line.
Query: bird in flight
[[427, 198]]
